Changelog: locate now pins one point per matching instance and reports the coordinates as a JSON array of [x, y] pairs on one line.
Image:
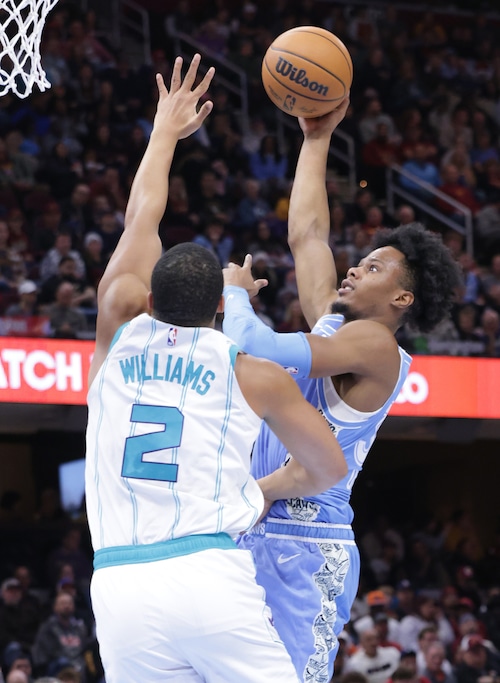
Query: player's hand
[[323, 126], [177, 109], [241, 276]]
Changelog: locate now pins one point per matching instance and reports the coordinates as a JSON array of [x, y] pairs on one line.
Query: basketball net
[[21, 26]]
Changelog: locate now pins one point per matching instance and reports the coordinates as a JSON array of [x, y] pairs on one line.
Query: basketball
[[307, 71]]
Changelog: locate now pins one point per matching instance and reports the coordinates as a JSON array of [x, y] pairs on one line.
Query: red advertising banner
[[55, 371]]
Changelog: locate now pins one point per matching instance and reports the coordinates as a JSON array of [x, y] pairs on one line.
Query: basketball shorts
[[310, 572], [194, 618]]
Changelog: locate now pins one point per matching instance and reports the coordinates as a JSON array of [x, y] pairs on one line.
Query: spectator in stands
[[210, 200], [427, 638], [61, 639], [476, 661], [427, 613], [457, 129], [437, 668], [454, 187], [378, 603], [216, 240], [424, 171], [458, 155], [466, 322], [46, 228], [62, 248], [269, 164], [403, 601], [472, 287], [84, 294], [375, 662], [490, 326], [93, 257], [76, 213], [377, 155], [483, 151], [293, 319], [252, 208], [110, 230], [19, 619], [372, 117], [57, 171], [405, 214], [27, 305], [488, 226], [66, 320], [491, 282]]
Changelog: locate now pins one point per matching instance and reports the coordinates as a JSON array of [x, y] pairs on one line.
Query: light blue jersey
[[304, 551]]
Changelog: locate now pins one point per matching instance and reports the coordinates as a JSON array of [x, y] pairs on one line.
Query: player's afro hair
[[187, 286], [433, 274]]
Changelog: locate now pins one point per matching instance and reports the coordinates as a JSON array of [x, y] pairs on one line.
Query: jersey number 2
[[136, 446]]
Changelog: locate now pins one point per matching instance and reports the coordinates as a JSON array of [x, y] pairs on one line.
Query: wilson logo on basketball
[[288, 70]]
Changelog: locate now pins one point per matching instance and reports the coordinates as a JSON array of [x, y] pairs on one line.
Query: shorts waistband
[[308, 531], [137, 554]]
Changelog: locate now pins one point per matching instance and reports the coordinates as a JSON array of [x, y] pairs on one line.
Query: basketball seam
[[301, 92], [299, 29]]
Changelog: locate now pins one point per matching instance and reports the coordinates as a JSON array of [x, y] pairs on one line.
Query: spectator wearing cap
[[378, 603], [428, 637], [427, 613], [408, 661], [403, 602], [374, 661], [17, 659], [19, 620], [477, 661], [27, 305]]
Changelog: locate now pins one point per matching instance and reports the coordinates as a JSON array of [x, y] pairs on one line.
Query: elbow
[[337, 470]]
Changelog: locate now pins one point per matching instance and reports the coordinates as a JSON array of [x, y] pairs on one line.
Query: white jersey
[[169, 438]]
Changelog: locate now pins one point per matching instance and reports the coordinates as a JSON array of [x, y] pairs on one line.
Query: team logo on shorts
[[172, 336]]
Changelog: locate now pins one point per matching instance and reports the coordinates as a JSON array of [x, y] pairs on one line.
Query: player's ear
[[404, 299], [150, 302], [220, 307]]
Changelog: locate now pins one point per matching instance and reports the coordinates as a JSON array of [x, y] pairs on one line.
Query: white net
[[21, 26]]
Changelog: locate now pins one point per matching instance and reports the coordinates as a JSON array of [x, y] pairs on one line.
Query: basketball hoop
[[21, 26]]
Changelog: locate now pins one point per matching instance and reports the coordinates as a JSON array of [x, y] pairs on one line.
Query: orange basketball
[[307, 71]]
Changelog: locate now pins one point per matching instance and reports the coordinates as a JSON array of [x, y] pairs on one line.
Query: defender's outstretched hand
[[241, 276], [177, 107]]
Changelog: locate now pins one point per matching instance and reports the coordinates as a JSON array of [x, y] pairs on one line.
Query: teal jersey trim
[[138, 554]]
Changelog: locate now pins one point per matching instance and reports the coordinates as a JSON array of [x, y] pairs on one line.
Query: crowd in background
[[428, 605], [425, 95]]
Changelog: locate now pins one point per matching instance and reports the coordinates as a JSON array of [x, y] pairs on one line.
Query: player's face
[[371, 289]]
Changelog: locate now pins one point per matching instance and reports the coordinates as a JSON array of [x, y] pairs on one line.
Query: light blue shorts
[[310, 572]]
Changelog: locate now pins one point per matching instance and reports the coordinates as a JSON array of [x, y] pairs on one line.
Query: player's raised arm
[[309, 217], [124, 287]]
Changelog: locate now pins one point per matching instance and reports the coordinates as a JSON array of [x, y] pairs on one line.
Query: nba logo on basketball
[[289, 103], [172, 336]]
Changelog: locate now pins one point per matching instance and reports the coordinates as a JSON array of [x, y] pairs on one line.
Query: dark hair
[[432, 273], [401, 674], [186, 285]]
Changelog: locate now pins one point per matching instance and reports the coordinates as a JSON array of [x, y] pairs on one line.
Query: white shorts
[[194, 618]]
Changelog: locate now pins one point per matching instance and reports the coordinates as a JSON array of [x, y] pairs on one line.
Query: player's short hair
[[187, 286], [432, 274]]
